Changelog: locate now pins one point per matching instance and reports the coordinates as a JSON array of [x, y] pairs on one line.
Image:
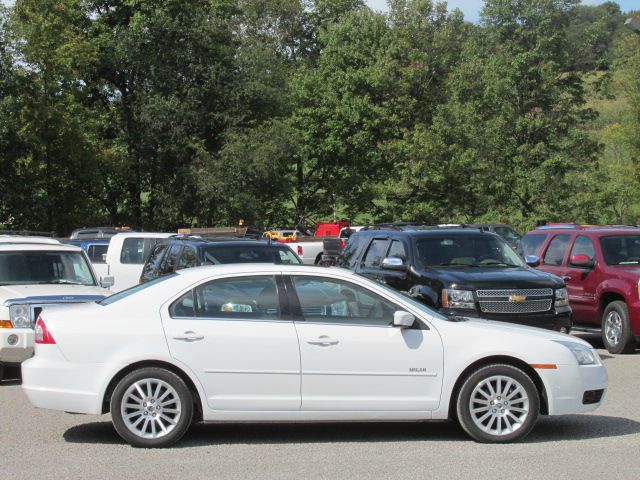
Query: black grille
[[592, 396]]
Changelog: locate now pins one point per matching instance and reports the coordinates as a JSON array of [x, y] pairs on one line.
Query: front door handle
[[566, 278], [323, 341], [189, 336]]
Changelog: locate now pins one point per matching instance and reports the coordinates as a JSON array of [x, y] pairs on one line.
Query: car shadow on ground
[[548, 429]]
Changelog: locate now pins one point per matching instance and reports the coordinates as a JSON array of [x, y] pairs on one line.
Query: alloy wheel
[[499, 405], [613, 327], [151, 408]]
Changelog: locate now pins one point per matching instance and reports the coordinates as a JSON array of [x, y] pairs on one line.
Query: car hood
[[492, 278], [52, 293]]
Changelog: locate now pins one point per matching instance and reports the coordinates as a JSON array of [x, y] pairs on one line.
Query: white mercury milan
[[38, 273]]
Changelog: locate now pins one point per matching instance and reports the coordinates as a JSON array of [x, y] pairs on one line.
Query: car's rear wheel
[[151, 407], [498, 403], [616, 329]]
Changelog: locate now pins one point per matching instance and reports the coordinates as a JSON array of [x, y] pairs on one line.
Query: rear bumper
[[566, 387], [56, 384], [550, 321], [16, 344]]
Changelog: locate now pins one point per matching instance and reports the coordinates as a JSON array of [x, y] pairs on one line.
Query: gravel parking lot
[[45, 444]]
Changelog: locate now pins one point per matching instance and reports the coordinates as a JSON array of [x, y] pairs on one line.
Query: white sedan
[[251, 343]]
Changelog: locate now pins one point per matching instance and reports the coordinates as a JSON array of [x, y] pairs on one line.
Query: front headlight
[[19, 315], [562, 298], [583, 355], [458, 299]]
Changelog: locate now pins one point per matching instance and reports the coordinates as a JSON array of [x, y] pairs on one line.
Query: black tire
[[521, 422], [183, 404], [616, 328], [1, 372]]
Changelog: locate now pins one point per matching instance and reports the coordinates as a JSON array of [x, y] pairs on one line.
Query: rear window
[[217, 255], [531, 244]]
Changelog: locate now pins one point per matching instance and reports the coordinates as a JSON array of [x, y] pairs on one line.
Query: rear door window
[[557, 249], [376, 253]]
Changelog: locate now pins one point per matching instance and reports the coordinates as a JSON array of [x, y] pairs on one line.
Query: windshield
[[46, 267], [249, 254], [465, 251], [621, 249], [135, 289]]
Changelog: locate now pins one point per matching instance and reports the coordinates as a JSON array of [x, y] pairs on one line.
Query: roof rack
[[416, 226], [214, 238], [575, 226]]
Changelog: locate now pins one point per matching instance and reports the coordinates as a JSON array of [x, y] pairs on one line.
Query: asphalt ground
[[40, 444]]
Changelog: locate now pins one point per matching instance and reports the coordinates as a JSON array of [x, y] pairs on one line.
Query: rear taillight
[[343, 243], [42, 335], [299, 249]]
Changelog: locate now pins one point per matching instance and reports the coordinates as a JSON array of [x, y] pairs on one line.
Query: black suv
[[176, 253], [460, 271]]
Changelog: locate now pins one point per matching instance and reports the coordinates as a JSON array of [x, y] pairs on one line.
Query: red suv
[[601, 267]]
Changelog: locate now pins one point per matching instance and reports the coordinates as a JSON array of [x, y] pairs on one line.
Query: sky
[[471, 8]]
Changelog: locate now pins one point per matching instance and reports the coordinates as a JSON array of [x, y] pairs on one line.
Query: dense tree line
[[164, 114]]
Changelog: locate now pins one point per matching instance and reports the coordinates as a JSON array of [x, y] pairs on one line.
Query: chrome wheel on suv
[[616, 329]]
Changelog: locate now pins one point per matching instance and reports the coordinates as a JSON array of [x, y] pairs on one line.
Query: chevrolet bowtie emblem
[[517, 298]]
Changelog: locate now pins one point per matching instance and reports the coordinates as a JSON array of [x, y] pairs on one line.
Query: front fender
[[425, 294]]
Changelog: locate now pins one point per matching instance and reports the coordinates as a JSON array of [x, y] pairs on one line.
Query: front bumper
[[15, 352], [567, 384], [551, 321]]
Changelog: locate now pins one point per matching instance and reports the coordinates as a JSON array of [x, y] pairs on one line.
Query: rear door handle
[[189, 337], [323, 341]]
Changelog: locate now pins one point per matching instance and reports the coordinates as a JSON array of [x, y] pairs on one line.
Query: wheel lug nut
[[146, 413], [501, 410], [154, 414]]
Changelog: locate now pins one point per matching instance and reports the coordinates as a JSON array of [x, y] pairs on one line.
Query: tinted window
[[397, 250], [24, 268], [351, 251], [171, 259], [583, 246], [151, 268], [132, 250], [220, 254], [557, 250], [188, 258], [621, 249], [240, 297], [333, 301], [486, 250], [183, 307], [95, 253], [376, 253], [509, 234], [530, 244]]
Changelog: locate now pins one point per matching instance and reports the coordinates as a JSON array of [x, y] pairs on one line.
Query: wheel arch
[[197, 400], [607, 297], [499, 359]]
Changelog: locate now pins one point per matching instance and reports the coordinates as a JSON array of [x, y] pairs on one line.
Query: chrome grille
[[529, 306], [498, 301], [534, 292]]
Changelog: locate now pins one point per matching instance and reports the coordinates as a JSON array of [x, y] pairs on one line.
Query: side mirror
[[532, 260], [107, 282], [581, 260], [403, 319], [394, 263]]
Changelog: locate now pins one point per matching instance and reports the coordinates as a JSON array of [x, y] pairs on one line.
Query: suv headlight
[[562, 298], [584, 355], [19, 315], [458, 299]]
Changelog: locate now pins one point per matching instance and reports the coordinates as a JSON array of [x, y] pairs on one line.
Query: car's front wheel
[[498, 403], [151, 407], [616, 329]]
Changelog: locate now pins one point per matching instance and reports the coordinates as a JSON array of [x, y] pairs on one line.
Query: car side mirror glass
[[581, 260], [393, 263], [532, 260], [107, 282], [403, 319]]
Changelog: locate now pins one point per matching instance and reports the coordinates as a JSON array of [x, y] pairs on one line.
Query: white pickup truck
[[125, 258], [310, 249], [38, 273]]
